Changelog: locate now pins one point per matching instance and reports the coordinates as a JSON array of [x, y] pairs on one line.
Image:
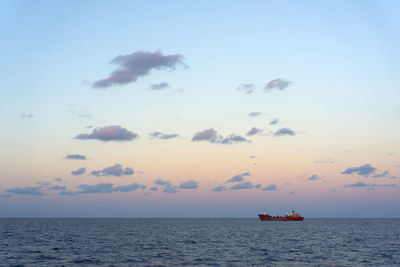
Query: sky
[[199, 108]]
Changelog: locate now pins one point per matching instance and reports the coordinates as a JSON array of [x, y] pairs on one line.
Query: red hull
[[264, 217]]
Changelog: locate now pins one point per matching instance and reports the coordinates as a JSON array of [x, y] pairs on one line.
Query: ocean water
[[199, 242]]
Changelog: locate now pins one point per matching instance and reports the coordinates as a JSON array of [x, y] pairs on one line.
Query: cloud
[[155, 188], [238, 178], [293, 192], [162, 182], [219, 188], [284, 131], [138, 64], [160, 135], [384, 174], [5, 195], [115, 170], [248, 88], [279, 84], [362, 184], [274, 121], [57, 187], [189, 185], [244, 185], [254, 131], [252, 157], [83, 113], [27, 115], [172, 189], [254, 114], [327, 161], [271, 187], [364, 170], [58, 179], [314, 177], [159, 86], [332, 190], [211, 136], [27, 190], [109, 133], [78, 171], [75, 156], [102, 188], [167, 186]]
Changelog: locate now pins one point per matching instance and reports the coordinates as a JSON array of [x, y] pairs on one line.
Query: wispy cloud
[[164, 136], [274, 121], [75, 156], [279, 84], [364, 170], [244, 185], [326, 161], [27, 190], [271, 187], [362, 184], [159, 86], [27, 115], [109, 133], [115, 170], [314, 177], [238, 178], [102, 188], [138, 64], [79, 171], [254, 114], [248, 88], [254, 131]]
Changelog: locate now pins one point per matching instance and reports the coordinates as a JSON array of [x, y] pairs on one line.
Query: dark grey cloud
[[57, 187], [27, 190], [284, 131], [364, 170], [271, 187], [155, 188], [79, 171], [244, 185], [274, 121], [162, 182], [362, 184], [219, 188], [248, 88], [254, 131], [211, 136], [190, 184], [75, 156], [27, 115], [254, 114], [159, 86], [238, 178], [109, 133], [279, 84], [314, 177], [115, 170], [160, 135], [138, 64]]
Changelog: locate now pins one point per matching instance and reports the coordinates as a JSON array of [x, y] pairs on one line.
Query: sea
[[199, 242]]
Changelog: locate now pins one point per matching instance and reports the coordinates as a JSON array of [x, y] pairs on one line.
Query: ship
[[291, 216]]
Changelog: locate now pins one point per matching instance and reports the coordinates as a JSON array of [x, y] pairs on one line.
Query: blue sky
[[340, 60]]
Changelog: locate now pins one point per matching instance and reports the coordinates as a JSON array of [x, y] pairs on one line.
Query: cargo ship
[[291, 216]]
